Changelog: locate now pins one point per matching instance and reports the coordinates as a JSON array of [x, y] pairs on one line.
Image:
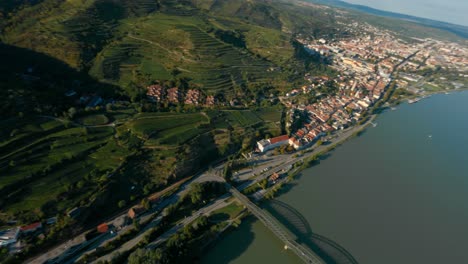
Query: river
[[396, 194]]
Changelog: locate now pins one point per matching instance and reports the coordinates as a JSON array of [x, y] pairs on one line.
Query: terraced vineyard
[[171, 129], [125, 42], [42, 160]]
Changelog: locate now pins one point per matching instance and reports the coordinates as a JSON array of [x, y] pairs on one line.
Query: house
[[31, 228], [95, 101], [155, 92], [51, 221], [70, 93], [173, 95], [136, 211], [103, 228], [210, 100], [274, 177], [267, 144], [192, 97], [74, 213], [9, 236]]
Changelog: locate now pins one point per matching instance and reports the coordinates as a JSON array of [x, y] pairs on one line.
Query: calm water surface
[[397, 194]]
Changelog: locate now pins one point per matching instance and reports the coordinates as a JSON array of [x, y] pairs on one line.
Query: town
[[368, 68]]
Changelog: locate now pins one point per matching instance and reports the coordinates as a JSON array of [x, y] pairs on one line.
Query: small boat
[[393, 108], [415, 100], [430, 136]]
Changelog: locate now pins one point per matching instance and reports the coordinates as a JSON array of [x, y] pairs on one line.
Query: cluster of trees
[[180, 248]]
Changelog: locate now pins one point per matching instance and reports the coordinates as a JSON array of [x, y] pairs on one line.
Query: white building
[[9, 236], [268, 144]]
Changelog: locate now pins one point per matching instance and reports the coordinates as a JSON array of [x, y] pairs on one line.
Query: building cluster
[[12, 238], [174, 95], [366, 64], [376, 51]]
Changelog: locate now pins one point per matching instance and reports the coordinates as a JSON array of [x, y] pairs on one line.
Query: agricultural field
[[270, 114], [168, 128], [42, 161], [94, 120], [225, 48], [242, 118]]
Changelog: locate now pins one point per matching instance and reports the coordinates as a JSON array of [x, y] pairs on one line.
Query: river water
[[396, 194]]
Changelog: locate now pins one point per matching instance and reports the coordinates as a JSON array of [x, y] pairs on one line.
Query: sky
[[452, 11]]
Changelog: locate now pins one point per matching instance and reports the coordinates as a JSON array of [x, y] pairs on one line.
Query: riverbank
[[395, 185], [305, 160]]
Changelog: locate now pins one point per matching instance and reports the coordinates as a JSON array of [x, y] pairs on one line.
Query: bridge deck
[[307, 255]]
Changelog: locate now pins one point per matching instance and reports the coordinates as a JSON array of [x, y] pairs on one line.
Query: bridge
[[304, 253]]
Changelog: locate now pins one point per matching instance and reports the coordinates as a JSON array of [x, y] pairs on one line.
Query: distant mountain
[[459, 30]]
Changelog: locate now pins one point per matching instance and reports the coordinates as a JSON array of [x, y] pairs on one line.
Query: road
[[219, 203], [277, 163]]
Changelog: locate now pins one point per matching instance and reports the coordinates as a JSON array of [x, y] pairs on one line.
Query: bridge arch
[[301, 227]]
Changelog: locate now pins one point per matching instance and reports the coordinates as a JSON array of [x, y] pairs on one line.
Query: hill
[[223, 47]]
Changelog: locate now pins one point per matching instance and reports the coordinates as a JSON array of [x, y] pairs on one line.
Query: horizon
[[452, 11]]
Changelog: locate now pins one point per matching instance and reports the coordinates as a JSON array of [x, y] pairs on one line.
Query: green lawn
[[230, 211]]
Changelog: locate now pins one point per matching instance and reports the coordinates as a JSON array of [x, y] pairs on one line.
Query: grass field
[[230, 211]]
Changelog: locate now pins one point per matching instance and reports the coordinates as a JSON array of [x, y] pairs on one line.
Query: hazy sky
[[452, 11]]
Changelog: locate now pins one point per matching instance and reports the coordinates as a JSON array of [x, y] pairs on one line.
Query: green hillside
[[221, 46]]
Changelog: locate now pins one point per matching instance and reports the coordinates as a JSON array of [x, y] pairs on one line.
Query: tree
[[196, 193], [263, 183], [80, 184], [109, 107], [122, 203], [145, 203], [136, 224], [72, 112]]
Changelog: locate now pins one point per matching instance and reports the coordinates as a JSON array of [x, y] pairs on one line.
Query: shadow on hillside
[[32, 81]]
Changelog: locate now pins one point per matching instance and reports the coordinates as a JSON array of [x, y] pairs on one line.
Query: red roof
[[279, 139], [102, 228], [31, 227]]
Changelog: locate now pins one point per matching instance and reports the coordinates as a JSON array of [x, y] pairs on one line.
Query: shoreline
[[355, 131]]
